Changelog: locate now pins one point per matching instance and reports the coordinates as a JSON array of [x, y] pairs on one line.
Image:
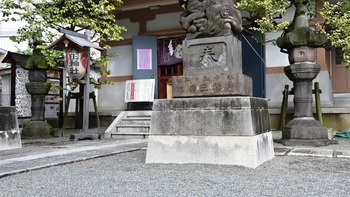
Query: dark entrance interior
[[169, 62]]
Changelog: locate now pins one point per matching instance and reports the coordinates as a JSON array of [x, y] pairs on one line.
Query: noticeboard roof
[[15, 58], [79, 40]]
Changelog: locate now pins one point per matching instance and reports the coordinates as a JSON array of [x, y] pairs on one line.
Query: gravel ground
[[127, 175]]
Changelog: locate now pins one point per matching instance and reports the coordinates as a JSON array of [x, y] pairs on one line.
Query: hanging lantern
[[75, 62], [76, 49]]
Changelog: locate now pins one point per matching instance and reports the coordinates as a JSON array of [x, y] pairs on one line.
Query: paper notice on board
[[139, 90], [144, 59]]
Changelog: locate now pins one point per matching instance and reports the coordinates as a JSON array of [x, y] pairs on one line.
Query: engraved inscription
[[230, 86], [217, 87], [208, 58], [230, 77], [204, 88], [206, 79], [192, 88], [179, 89]]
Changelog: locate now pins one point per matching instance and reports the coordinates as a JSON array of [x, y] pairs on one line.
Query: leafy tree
[[264, 14], [45, 18], [337, 28]]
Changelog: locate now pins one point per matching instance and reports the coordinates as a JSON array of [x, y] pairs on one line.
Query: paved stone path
[[44, 153]]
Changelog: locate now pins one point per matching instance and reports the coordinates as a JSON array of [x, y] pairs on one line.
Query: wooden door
[[145, 58], [341, 75]]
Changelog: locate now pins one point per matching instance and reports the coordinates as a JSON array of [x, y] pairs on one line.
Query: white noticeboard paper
[[144, 59], [141, 90]]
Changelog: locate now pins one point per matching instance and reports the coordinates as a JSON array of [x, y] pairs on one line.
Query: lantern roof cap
[[15, 58], [78, 40]]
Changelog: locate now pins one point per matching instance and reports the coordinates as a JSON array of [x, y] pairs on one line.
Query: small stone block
[[281, 151], [10, 137], [311, 152], [77, 137], [343, 154]]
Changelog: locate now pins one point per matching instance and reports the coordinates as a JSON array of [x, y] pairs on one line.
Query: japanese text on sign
[[76, 63], [144, 59], [139, 90]]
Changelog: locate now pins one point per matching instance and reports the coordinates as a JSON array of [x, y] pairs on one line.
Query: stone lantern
[[37, 87], [300, 42]]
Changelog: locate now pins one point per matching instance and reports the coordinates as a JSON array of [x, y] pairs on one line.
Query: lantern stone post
[[300, 42], [37, 87]]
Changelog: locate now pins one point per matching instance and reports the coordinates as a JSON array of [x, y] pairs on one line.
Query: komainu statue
[[204, 18]]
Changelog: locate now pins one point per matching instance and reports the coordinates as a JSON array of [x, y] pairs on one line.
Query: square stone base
[[210, 116], [247, 151], [305, 131]]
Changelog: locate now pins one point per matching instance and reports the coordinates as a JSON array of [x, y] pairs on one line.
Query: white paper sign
[[139, 90], [144, 59]]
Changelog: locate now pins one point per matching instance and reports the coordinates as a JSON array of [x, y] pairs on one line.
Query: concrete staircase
[[130, 124]]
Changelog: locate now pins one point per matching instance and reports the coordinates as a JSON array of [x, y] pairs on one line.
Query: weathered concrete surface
[[212, 130], [210, 116], [214, 55], [248, 151], [212, 67], [234, 84], [10, 137], [304, 128]]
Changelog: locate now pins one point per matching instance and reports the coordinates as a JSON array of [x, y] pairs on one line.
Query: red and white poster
[[139, 90]]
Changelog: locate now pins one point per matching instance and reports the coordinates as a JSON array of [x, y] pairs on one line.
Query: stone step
[[132, 128], [137, 119], [135, 122], [139, 113], [127, 134]]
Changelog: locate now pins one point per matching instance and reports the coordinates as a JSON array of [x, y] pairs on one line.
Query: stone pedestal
[[213, 119], [10, 137], [211, 130]]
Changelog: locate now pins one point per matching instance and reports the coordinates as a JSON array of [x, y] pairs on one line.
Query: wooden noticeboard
[[141, 90]]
